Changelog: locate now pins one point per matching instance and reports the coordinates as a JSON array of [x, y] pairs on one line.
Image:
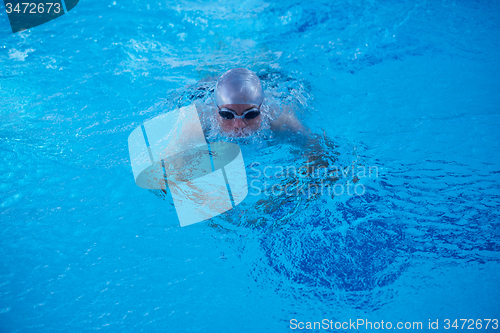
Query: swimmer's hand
[[319, 151]]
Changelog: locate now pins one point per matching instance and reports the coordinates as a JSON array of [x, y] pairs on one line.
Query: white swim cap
[[239, 86]]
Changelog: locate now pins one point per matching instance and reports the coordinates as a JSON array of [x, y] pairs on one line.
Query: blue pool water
[[409, 88]]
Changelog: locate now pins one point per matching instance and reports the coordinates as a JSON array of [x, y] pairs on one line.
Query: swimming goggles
[[248, 114]]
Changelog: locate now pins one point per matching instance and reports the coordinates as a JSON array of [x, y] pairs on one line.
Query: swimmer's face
[[237, 126]]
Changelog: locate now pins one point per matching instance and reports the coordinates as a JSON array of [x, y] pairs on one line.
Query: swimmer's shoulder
[[285, 119]]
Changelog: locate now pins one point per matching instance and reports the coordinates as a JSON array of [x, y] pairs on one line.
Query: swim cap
[[239, 86]]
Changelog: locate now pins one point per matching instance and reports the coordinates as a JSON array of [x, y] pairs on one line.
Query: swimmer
[[239, 98], [239, 113]]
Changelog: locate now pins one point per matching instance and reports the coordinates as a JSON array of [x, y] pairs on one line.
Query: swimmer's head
[[239, 86], [238, 96]]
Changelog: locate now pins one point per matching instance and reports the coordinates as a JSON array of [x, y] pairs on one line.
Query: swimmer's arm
[[313, 147], [190, 131], [290, 126], [288, 122]]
